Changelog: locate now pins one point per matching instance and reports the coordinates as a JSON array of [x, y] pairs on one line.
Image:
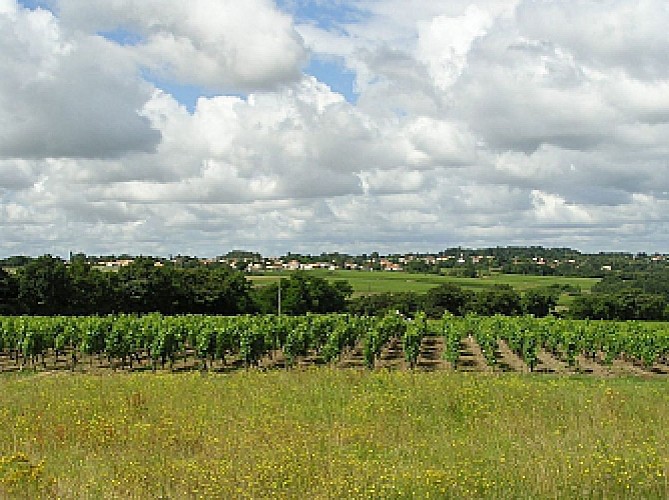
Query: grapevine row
[[645, 343], [126, 340]]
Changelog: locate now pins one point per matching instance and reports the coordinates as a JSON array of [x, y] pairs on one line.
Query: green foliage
[[345, 332], [381, 331], [500, 299], [9, 291], [628, 305], [304, 292], [127, 339], [654, 282], [215, 291], [413, 336], [539, 302], [407, 303], [91, 291], [44, 286], [447, 298], [642, 342]]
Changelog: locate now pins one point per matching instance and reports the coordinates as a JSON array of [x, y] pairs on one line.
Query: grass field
[[324, 433], [365, 282], [380, 281]]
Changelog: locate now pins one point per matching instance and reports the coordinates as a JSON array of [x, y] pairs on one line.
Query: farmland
[[367, 283], [364, 282], [220, 343], [332, 406]]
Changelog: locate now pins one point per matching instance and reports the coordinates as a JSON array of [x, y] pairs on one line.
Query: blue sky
[[33, 4], [333, 73], [325, 14], [329, 16]]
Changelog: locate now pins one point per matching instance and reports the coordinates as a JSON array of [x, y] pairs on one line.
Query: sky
[[162, 126]]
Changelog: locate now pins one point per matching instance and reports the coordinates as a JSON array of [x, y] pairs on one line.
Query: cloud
[[476, 123], [444, 43], [66, 96], [270, 146], [552, 209], [222, 45], [605, 35], [18, 174]]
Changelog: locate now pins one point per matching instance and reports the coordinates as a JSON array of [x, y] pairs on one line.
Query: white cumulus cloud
[[485, 122], [224, 45]]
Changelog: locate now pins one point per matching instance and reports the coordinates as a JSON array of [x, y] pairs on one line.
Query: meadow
[[332, 433], [366, 282]]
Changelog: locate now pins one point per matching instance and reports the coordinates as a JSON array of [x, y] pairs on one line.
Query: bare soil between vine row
[[471, 359]]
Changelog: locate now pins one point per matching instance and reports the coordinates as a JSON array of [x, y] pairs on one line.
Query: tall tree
[[499, 299], [220, 290], [9, 291], [302, 293], [44, 286], [143, 287], [447, 297], [91, 292], [540, 301]]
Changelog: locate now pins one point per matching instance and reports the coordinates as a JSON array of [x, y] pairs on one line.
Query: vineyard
[[407, 421], [221, 343]]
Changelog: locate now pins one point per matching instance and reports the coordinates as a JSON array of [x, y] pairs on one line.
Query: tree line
[[627, 296], [48, 286], [449, 297]]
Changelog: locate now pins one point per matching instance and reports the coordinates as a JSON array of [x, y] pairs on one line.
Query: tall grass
[[326, 433]]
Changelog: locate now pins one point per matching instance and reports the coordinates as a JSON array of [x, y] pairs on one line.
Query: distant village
[[393, 263], [530, 260], [457, 261]]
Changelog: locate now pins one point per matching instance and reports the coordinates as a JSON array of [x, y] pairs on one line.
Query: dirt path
[[509, 360], [588, 366], [431, 354], [353, 358], [550, 364], [392, 355], [471, 357]]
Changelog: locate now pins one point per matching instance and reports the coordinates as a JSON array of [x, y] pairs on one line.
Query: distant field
[[332, 434], [365, 282]]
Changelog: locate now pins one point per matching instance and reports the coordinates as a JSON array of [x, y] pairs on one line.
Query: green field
[[366, 282], [324, 433]]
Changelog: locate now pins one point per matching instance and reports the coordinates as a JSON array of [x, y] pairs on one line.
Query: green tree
[[91, 292], [44, 287], [379, 304], [499, 299], [9, 291], [302, 293], [626, 305], [540, 301], [219, 290], [143, 287], [447, 297]]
